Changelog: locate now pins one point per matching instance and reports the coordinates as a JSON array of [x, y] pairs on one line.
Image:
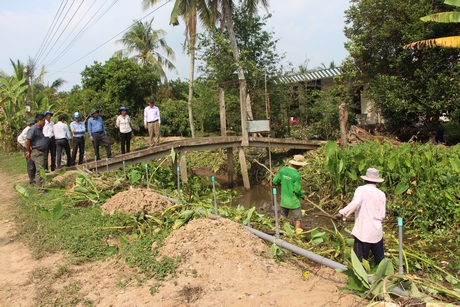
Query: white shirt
[[22, 137], [48, 129], [151, 115], [61, 131], [368, 204], [124, 123]]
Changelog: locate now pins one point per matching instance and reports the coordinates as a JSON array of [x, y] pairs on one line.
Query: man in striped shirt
[[152, 122]]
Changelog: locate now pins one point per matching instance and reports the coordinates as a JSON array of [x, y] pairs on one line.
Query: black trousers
[[362, 250], [62, 144], [101, 138], [31, 170], [78, 145], [125, 142], [52, 152]]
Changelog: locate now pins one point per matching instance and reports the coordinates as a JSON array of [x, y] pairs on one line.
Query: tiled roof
[[311, 76]]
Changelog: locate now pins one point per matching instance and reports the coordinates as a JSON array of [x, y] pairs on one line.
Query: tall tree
[[148, 44], [405, 85], [188, 10]]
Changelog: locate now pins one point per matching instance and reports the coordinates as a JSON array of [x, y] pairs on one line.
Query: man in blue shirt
[[36, 148], [78, 130], [97, 134]]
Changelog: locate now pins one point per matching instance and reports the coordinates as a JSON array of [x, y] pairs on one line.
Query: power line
[[113, 37], [62, 32], [85, 29], [50, 29]]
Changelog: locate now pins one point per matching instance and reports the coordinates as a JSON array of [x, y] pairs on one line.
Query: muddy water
[[261, 196]]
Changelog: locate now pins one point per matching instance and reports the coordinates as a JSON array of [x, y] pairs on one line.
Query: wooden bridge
[[194, 144]]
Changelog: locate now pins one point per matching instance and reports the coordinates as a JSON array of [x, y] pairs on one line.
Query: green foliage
[[405, 84], [108, 86], [174, 118]]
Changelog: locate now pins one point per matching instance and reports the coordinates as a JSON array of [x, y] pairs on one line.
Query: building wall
[[368, 108]]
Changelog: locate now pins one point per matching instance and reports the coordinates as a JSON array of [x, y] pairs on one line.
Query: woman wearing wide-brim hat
[[123, 123], [369, 207]]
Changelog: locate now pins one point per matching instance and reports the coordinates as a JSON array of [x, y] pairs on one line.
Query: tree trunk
[[190, 88], [343, 117], [245, 109]]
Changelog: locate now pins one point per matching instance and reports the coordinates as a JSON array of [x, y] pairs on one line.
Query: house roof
[[311, 76]]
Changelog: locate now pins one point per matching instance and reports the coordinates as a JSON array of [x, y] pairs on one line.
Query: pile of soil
[[67, 180], [136, 200], [223, 264]]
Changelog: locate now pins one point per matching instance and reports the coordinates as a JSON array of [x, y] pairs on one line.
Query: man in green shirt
[[291, 190]]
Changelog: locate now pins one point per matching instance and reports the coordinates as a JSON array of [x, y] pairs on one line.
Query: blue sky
[[306, 29]]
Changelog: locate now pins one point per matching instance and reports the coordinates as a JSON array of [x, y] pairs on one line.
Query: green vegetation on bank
[[421, 183]]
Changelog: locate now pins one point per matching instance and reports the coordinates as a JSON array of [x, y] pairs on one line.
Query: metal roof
[[311, 76]]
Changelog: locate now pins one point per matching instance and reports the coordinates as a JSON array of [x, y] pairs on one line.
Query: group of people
[[368, 206], [43, 138]]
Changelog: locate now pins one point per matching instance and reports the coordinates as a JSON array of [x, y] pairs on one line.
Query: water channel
[[261, 196]]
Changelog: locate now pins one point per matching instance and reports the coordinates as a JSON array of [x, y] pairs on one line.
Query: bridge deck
[[194, 144]]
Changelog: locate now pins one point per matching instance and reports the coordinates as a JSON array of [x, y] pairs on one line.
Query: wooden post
[[223, 116], [244, 169], [230, 167], [343, 117], [244, 118], [183, 166]]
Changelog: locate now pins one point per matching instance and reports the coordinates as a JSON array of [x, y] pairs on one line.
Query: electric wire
[[85, 29], [62, 32], [112, 38], [50, 30]]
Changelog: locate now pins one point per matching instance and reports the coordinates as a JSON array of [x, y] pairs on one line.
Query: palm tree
[[148, 44], [188, 10], [442, 42]]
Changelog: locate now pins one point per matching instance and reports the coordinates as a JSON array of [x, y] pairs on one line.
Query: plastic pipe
[[295, 249], [147, 175], [124, 168], [178, 183], [214, 191], [400, 230], [277, 226]]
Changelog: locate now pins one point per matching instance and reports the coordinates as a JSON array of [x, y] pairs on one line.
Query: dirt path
[[223, 276]]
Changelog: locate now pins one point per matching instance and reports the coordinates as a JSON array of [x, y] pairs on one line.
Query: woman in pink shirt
[[368, 205]]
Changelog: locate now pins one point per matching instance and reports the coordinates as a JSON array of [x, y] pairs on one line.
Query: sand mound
[[223, 264], [136, 200]]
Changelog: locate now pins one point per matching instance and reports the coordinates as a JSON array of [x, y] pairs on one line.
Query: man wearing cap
[[369, 206], [36, 147], [62, 137], [22, 140], [78, 130], [123, 123], [152, 122], [291, 190], [49, 135], [97, 134]]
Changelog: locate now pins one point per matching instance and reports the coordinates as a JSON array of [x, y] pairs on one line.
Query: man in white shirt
[[49, 136], [22, 140], [62, 137], [152, 122]]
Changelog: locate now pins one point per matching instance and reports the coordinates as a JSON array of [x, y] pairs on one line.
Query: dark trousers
[[51, 151], [101, 138], [125, 142], [62, 144], [362, 250], [30, 167], [78, 145]]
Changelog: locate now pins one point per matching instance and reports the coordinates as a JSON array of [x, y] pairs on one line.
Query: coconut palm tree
[[188, 10], [442, 42], [148, 44]]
